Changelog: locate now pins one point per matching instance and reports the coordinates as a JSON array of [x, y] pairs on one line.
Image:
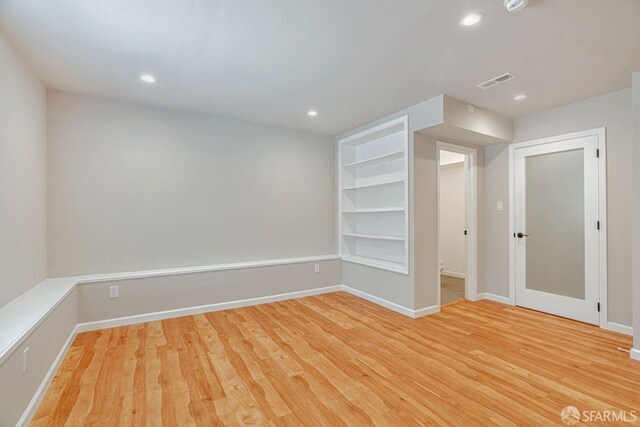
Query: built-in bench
[[22, 315], [38, 327]]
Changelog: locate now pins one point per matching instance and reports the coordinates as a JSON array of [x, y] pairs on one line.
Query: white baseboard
[[453, 274], [635, 354], [188, 311], [496, 298], [622, 329], [426, 311], [377, 300], [31, 409], [391, 305]]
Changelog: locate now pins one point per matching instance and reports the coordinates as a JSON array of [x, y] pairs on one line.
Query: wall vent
[[496, 81]]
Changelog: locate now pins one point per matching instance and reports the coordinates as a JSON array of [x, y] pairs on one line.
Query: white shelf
[[374, 236], [376, 162], [377, 184], [371, 262], [385, 157], [376, 210]]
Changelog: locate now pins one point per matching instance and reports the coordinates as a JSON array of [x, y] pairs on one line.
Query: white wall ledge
[[20, 317]]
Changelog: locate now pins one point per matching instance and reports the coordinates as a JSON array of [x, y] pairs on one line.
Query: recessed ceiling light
[[312, 113], [520, 97], [471, 19], [515, 5], [148, 78]]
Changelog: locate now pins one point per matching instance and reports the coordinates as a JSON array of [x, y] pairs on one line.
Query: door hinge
[[598, 224], [598, 307], [598, 152]]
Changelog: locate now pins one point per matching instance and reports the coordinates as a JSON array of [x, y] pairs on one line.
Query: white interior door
[[556, 228]]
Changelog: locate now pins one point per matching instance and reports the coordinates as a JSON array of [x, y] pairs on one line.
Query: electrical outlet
[[471, 108], [113, 292], [316, 268], [25, 360]]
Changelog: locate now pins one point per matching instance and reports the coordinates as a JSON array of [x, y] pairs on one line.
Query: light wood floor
[[338, 360]]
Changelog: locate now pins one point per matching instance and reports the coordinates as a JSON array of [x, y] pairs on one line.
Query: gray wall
[[150, 295], [133, 187], [612, 111], [496, 243], [425, 221], [23, 213]]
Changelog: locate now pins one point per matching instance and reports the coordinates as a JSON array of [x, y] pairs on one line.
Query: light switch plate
[[499, 206]]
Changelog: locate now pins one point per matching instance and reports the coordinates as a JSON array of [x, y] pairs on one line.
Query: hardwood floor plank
[[337, 360]]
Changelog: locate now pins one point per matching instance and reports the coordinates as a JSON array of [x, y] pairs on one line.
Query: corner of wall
[[23, 246]]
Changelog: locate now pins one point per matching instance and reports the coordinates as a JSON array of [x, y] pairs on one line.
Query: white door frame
[[600, 133], [471, 215]]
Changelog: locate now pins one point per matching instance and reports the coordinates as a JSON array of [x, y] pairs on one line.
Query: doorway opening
[[457, 243]]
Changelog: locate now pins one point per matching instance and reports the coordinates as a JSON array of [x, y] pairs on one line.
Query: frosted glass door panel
[[554, 215], [556, 234]]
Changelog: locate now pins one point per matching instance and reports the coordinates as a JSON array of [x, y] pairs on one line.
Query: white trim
[[452, 274], [369, 262], [407, 201], [31, 409], [471, 217], [621, 329], [201, 269], [51, 292], [496, 298], [602, 211], [512, 229], [392, 305], [209, 308], [634, 353], [374, 129], [380, 301], [426, 311], [40, 301]]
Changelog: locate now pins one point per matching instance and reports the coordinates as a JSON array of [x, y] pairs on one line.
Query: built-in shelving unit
[[373, 198]]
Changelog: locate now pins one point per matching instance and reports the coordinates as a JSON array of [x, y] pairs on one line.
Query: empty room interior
[[319, 213]]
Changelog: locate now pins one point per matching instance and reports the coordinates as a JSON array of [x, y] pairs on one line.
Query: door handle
[[520, 235]]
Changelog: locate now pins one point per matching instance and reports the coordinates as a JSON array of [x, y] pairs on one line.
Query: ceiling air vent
[[496, 81]]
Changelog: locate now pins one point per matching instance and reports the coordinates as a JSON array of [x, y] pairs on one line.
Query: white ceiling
[[449, 158], [352, 60]]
